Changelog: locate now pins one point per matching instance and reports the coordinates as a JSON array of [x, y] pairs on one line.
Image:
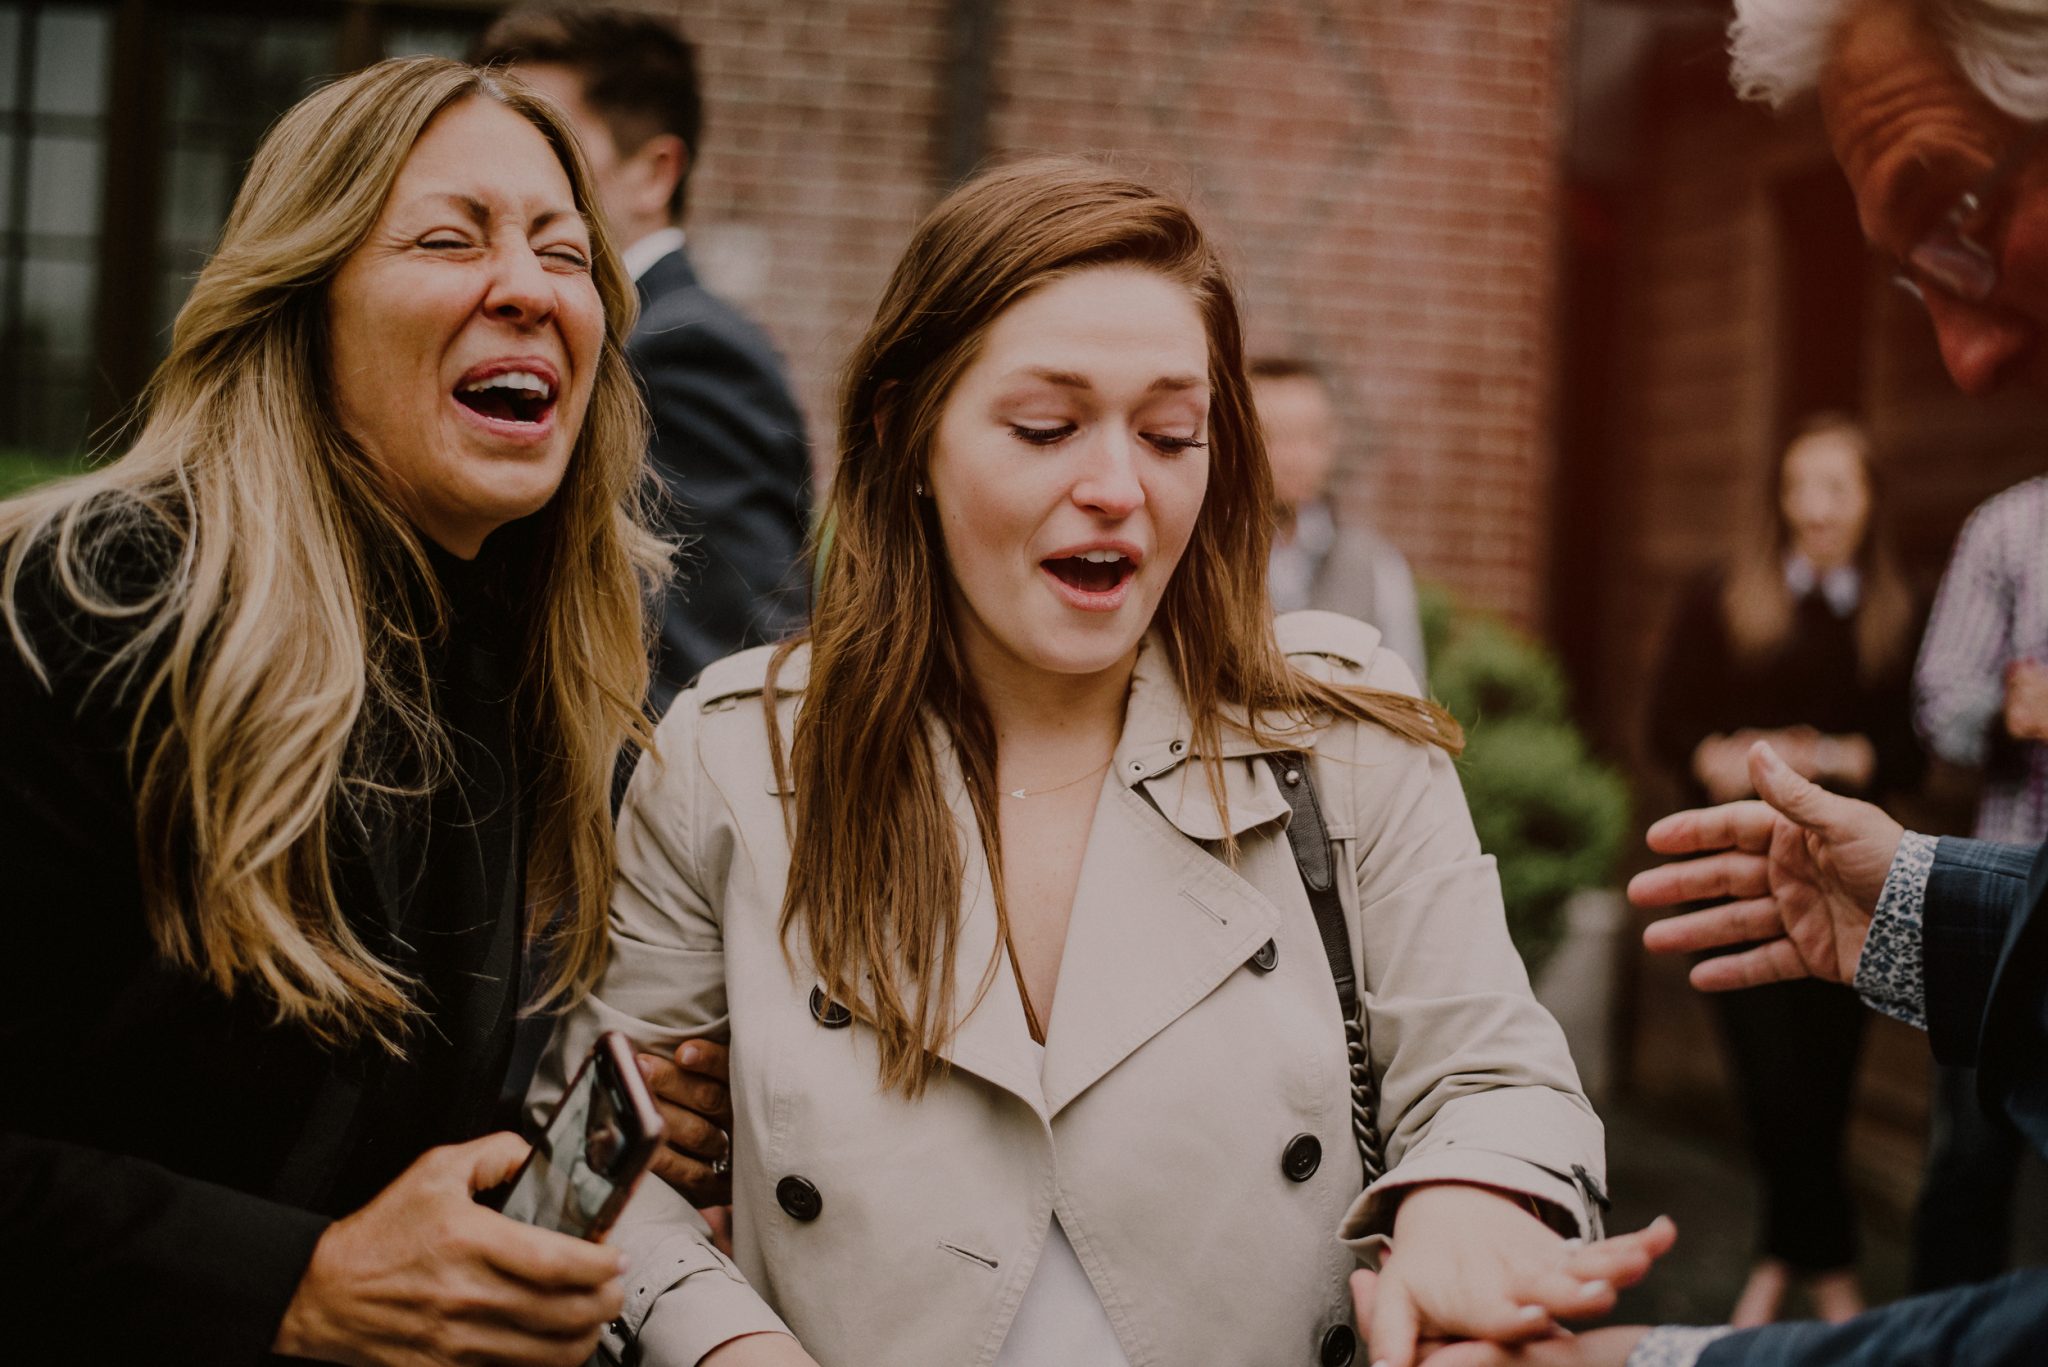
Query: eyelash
[[1049, 436], [567, 255]]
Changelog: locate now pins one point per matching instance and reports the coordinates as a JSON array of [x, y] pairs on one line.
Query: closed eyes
[[1164, 443]]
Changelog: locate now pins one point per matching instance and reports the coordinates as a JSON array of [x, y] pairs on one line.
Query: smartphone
[[600, 1139]]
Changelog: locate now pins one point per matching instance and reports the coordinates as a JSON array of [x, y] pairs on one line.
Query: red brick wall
[[1383, 176]]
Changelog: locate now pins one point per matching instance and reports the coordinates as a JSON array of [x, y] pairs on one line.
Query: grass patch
[[20, 470]]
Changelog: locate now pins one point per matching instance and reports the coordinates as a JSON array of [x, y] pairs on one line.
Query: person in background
[[1932, 109], [728, 441], [990, 883], [1317, 561], [313, 699], [1806, 639], [1981, 700]]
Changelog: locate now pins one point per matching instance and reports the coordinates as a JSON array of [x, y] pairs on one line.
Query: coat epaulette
[[1345, 641], [746, 675]]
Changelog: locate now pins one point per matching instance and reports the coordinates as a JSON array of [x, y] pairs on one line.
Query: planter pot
[[1577, 984]]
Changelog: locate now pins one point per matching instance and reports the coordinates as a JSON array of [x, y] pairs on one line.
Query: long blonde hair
[[876, 864], [1757, 605], [273, 644]]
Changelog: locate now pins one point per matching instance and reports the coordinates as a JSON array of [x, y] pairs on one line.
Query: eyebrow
[[1067, 379], [480, 212]]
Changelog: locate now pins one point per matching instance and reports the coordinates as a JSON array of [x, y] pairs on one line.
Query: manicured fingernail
[[1532, 1314], [1594, 1290], [689, 1054], [646, 1065]]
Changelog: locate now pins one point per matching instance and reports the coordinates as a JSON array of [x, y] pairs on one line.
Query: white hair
[[1779, 46]]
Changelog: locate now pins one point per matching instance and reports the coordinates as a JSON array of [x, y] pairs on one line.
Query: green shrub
[[21, 470], [1552, 815]]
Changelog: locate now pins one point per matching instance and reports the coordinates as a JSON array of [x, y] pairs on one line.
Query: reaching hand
[[1471, 1262], [696, 1113], [1805, 865], [2026, 700], [423, 1276]]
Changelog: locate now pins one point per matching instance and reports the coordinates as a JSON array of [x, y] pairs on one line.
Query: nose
[[1110, 485], [1981, 344], [521, 291]]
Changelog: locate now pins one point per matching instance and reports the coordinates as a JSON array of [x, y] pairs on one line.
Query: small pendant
[[1019, 792]]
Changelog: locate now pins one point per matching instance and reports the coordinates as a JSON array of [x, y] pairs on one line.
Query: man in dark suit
[[728, 441]]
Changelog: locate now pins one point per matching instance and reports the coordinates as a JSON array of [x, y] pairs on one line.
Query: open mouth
[[521, 396], [1092, 571]]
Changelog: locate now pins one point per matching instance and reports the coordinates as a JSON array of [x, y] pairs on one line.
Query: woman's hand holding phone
[[423, 1276]]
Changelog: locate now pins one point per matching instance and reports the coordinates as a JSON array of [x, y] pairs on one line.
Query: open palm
[[1804, 867]]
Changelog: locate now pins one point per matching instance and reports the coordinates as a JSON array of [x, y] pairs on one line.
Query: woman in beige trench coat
[[1035, 1052]]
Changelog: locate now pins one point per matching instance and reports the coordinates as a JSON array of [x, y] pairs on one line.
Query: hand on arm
[[696, 1110], [1720, 764], [1471, 1262], [2026, 700], [1805, 865], [423, 1276]]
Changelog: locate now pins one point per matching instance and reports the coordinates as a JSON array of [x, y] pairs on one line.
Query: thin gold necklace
[[1041, 792]]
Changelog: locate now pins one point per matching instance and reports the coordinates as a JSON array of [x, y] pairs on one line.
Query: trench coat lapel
[[992, 1039], [1158, 923]]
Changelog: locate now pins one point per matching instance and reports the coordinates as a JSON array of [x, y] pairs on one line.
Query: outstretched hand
[[1805, 867], [1469, 1262]]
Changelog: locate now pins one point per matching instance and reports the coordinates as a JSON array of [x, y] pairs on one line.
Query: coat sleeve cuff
[[683, 1297], [1564, 1203]]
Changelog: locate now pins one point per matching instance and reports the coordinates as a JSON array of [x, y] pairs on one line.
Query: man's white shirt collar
[[1842, 586], [639, 258]]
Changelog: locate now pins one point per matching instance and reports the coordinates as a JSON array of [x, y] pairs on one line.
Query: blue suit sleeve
[[1998, 1324], [1973, 894], [729, 449]]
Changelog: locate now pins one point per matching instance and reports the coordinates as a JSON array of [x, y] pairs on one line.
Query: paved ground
[[1704, 1186]]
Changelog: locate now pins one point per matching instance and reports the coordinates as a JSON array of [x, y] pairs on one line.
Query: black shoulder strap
[[1309, 837]]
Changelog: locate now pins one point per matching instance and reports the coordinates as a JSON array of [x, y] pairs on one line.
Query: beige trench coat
[[1175, 1075]]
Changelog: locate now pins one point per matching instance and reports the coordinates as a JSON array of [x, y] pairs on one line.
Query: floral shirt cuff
[[1673, 1345], [1891, 975]]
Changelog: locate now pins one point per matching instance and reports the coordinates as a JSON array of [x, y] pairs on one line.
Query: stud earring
[[919, 486]]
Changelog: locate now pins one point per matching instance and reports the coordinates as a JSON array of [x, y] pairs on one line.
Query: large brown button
[[827, 1013], [1339, 1346], [1303, 1156], [799, 1199], [1268, 957]]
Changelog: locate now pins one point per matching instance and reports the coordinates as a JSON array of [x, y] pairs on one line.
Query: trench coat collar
[[1159, 921], [1157, 753]]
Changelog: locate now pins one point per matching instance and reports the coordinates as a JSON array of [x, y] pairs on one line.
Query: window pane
[[229, 78], [10, 53], [443, 39], [55, 409], [199, 183], [57, 307], [71, 60], [64, 186]]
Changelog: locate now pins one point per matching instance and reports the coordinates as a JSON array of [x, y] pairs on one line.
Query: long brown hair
[[876, 862], [1755, 601], [279, 642]]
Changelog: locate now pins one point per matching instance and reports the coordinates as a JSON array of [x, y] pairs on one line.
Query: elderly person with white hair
[[1935, 110]]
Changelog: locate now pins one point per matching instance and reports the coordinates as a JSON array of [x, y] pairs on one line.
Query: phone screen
[[588, 1157]]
